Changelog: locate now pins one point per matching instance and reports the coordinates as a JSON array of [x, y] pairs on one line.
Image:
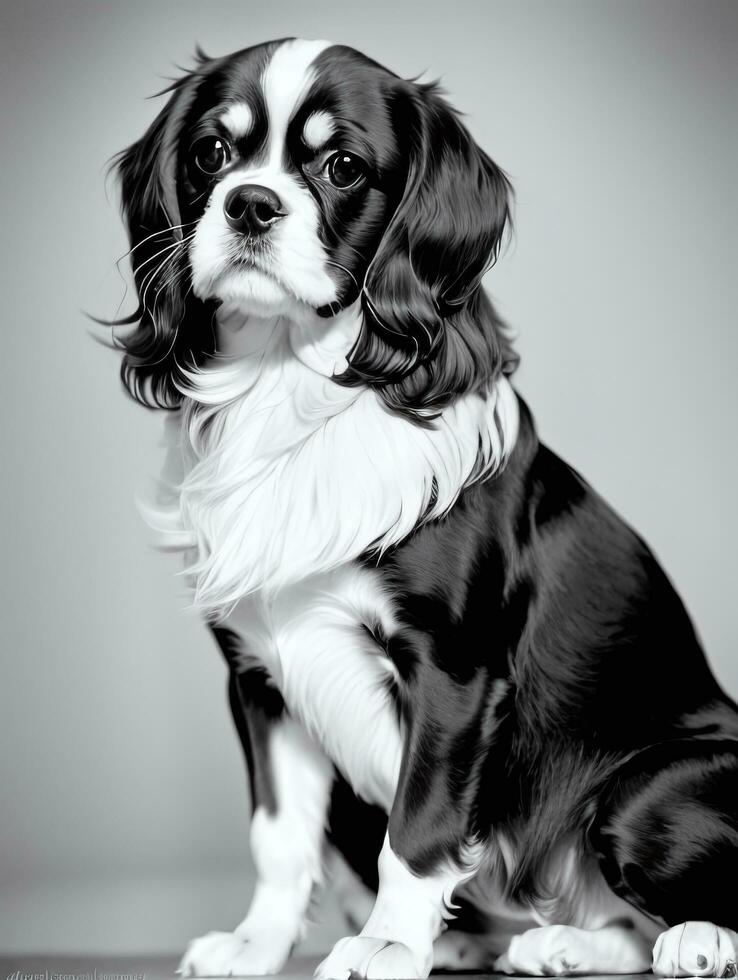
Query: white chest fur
[[279, 479], [279, 473], [312, 638]]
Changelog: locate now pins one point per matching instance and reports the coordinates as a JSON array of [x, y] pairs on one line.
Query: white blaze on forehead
[[238, 120], [285, 82], [318, 130]]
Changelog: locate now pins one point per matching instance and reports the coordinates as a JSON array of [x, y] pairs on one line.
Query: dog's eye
[[210, 154], [344, 170]]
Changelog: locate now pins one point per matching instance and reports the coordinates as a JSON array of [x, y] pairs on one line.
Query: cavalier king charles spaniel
[[465, 690]]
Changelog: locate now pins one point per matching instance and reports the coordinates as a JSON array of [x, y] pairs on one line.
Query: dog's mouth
[[249, 255], [252, 254], [252, 261], [261, 273]]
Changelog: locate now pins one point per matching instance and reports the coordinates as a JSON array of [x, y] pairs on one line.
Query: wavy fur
[[286, 474]]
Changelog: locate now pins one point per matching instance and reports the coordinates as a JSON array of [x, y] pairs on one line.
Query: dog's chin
[[255, 292], [265, 292]]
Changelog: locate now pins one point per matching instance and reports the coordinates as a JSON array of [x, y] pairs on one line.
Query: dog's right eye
[[210, 155]]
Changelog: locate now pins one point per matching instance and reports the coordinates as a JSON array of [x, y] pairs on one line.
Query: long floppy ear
[[167, 327], [430, 333]]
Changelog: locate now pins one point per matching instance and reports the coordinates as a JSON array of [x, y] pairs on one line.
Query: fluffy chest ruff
[[276, 473]]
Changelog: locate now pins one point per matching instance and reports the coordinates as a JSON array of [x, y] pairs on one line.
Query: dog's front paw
[[365, 956], [696, 949], [224, 954]]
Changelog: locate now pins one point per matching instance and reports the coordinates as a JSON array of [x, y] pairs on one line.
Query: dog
[[465, 689]]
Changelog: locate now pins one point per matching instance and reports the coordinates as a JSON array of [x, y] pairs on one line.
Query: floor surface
[[144, 968]]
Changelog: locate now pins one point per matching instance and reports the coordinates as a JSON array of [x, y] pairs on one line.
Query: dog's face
[[296, 178], [289, 174]]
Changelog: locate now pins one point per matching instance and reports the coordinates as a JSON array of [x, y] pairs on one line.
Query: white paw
[[365, 956], [560, 951], [224, 954], [551, 951], [696, 949]]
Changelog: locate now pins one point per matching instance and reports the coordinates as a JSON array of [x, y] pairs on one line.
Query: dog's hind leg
[[696, 949], [558, 951], [668, 840]]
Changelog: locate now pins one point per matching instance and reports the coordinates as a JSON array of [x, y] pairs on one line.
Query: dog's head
[[300, 178]]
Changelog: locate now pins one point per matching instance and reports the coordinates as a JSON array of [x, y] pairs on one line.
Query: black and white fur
[[450, 662]]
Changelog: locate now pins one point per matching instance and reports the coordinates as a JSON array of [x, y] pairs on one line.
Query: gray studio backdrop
[[124, 806]]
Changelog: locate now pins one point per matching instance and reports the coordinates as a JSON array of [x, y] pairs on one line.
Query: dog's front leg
[[291, 781], [428, 850], [408, 915]]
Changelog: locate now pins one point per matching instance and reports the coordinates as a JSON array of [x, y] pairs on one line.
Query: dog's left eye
[[210, 155], [344, 169]]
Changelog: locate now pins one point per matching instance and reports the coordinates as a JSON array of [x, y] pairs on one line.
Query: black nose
[[252, 209]]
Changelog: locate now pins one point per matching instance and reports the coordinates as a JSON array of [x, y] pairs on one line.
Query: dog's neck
[[279, 473], [321, 344]]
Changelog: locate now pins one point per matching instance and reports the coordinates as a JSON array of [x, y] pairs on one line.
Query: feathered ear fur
[[430, 333], [169, 329]]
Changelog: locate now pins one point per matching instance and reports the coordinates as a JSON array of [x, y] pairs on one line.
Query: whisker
[[167, 248], [137, 269], [167, 279], [152, 274], [173, 248], [162, 231], [150, 277], [199, 196], [166, 355], [173, 278]]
